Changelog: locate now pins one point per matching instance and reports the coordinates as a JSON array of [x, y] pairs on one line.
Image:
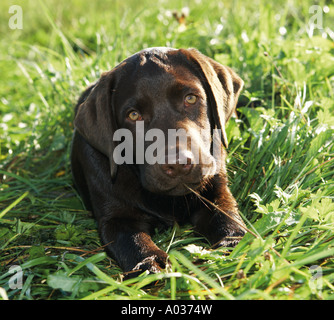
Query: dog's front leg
[[218, 220], [129, 242]]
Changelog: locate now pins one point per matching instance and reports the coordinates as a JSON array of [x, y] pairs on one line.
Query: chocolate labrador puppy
[[149, 146]]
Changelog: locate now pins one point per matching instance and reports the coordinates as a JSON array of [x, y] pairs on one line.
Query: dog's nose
[[176, 170]]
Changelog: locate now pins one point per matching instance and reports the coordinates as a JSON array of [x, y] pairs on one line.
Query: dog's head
[[163, 111]]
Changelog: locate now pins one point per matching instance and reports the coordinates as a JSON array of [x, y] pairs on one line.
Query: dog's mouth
[[176, 181], [178, 188], [182, 189]]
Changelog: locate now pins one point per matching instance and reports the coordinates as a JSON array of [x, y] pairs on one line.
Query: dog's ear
[[223, 86], [95, 119]]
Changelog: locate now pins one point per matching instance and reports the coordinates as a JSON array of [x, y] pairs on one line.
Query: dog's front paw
[[154, 263], [229, 242]]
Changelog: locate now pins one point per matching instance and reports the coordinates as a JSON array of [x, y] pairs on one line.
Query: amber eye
[[190, 99], [134, 116]]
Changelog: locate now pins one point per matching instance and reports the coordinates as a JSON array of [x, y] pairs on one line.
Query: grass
[[281, 149]]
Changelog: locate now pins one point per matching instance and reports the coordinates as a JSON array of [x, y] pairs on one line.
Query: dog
[[150, 95]]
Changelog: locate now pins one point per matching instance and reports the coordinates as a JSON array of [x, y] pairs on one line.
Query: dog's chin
[[158, 183], [176, 187], [177, 190]]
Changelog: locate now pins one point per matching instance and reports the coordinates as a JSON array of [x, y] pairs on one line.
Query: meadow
[[280, 155]]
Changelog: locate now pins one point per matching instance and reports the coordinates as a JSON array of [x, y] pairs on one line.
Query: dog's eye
[[134, 116], [190, 99]]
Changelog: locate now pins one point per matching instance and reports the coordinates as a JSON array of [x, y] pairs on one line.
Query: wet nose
[[174, 170]]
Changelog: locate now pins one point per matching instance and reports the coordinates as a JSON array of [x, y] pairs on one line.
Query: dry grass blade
[[240, 224]]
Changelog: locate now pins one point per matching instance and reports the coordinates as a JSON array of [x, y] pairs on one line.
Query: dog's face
[[171, 101], [166, 96]]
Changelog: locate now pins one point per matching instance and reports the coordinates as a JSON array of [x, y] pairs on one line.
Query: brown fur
[[130, 201]]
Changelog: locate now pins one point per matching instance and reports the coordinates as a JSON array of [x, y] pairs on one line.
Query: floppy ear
[[94, 118], [223, 86]]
